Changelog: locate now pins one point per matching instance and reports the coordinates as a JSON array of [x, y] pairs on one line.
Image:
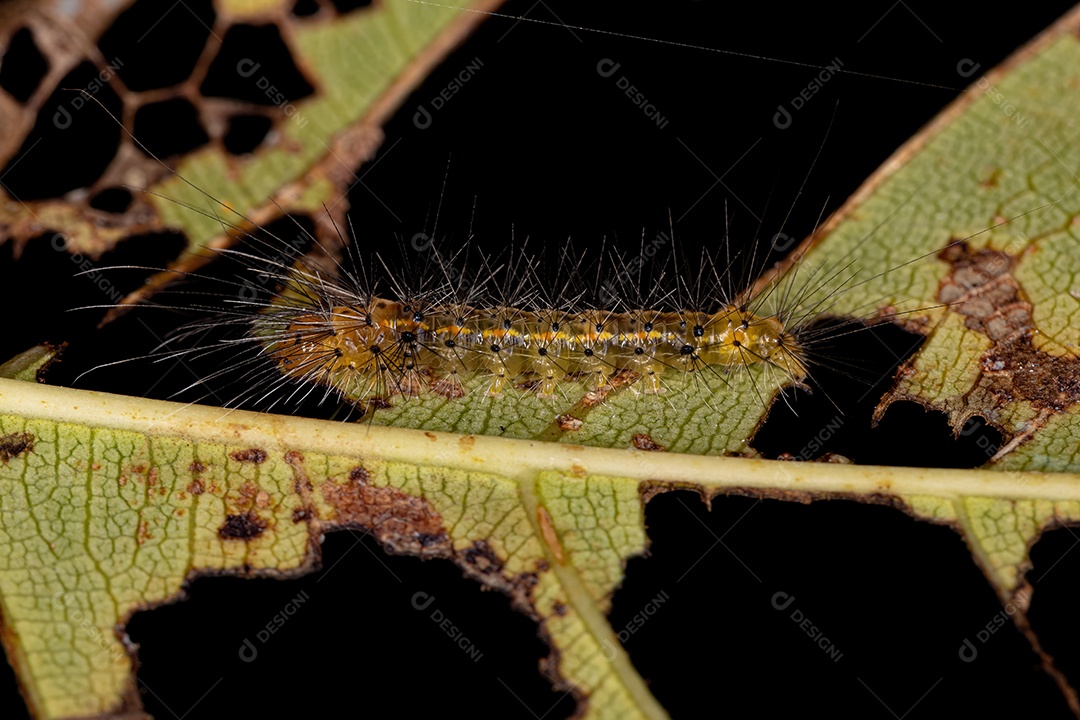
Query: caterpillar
[[358, 331], [367, 347], [404, 341]]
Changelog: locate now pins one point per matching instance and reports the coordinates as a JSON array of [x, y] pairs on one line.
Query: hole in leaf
[[851, 374], [169, 127], [246, 132], [12, 705], [156, 45], [44, 277], [112, 200], [357, 618], [347, 6], [1055, 567], [816, 599], [72, 141], [23, 66], [254, 64], [305, 8]]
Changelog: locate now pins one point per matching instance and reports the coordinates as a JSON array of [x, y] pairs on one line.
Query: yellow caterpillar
[[388, 347]]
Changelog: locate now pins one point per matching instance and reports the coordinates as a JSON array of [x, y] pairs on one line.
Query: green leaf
[[28, 366], [704, 413], [998, 223], [113, 502]]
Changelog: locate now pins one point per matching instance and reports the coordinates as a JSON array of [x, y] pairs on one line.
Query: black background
[[546, 146]]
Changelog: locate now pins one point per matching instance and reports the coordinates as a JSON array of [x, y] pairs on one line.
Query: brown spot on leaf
[[429, 540], [619, 379], [196, 467], [15, 444], [569, 423], [644, 441], [401, 522], [578, 471], [482, 559], [360, 474], [302, 486], [252, 455], [376, 403], [527, 385], [982, 289], [547, 531], [195, 487], [449, 387], [430, 436], [559, 609], [595, 396], [992, 179], [466, 442], [242, 527]]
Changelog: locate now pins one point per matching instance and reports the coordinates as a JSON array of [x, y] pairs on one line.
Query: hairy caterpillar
[[405, 340], [360, 331], [367, 347]]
